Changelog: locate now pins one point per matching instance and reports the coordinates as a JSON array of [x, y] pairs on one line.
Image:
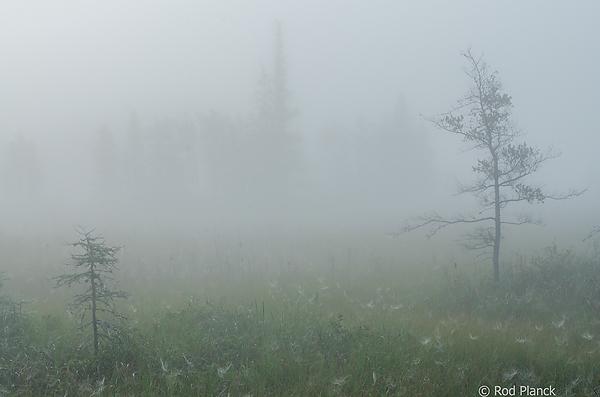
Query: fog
[[148, 115], [254, 168]]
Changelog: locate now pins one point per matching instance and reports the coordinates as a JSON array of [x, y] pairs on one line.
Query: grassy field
[[307, 316]]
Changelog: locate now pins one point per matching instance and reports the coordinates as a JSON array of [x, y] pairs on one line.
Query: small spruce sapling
[[94, 267]]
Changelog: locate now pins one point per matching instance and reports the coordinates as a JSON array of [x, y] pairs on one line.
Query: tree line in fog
[[259, 159]]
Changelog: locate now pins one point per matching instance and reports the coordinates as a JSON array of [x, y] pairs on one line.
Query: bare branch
[[570, 194], [594, 231], [438, 222], [481, 238]]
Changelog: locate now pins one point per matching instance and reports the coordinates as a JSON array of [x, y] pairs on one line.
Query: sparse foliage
[[94, 267], [482, 118]]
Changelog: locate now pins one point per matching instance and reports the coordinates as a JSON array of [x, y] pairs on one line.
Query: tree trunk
[[496, 255], [94, 320]]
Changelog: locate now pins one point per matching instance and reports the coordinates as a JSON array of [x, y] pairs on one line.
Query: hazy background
[[139, 114]]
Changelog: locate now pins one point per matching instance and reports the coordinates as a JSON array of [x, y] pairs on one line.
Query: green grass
[[315, 321]]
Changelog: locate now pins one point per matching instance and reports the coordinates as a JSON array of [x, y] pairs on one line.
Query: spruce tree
[[95, 267]]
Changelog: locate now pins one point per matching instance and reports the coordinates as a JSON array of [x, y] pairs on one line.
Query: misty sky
[[68, 67]]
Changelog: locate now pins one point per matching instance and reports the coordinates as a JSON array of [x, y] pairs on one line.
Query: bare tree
[[482, 117]]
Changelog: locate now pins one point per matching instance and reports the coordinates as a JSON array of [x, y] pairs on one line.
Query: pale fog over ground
[[146, 114]]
